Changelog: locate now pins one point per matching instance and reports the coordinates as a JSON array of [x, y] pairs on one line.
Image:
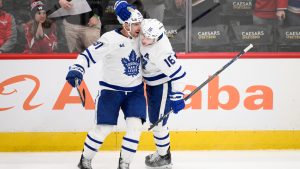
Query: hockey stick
[[82, 97], [205, 82]]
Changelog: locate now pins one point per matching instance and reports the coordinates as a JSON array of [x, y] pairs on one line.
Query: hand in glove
[[121, 9], [75, 72], [177, 101]]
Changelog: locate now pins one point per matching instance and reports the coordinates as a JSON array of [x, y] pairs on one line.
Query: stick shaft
[[82, 98], [219, 71], [206, 82]]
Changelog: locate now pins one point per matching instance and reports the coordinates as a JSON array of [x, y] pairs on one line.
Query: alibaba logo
[[18, 79]]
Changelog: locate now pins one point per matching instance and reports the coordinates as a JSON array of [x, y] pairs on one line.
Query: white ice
[[271, 159]]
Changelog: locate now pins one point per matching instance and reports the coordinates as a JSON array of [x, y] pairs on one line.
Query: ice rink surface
[[181, 160]]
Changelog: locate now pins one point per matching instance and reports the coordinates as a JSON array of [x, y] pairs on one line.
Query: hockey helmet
[[152, 28], [135, 17]]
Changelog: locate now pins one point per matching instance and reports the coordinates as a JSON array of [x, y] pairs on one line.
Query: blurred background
[[191, 25]]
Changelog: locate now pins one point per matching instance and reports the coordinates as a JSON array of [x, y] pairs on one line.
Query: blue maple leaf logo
[[131, 65]]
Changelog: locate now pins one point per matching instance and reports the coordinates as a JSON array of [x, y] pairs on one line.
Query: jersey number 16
[[170, 61]]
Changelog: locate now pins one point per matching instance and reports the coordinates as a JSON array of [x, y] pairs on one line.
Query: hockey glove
[[75, 72], [177, 101], [121, 9]]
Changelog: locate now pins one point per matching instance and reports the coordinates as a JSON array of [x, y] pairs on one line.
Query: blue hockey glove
[[75, 72], [177, 101], [121, 9]]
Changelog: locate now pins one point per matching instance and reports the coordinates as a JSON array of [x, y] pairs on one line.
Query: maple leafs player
[[121, 86], [164, 76]]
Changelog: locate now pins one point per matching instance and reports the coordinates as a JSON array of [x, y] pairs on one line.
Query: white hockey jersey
[[121, 61], [160, 64]]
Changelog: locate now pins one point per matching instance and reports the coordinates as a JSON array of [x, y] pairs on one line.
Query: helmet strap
[[128, 31]]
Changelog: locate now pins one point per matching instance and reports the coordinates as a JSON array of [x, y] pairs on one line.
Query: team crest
[[132, 64]]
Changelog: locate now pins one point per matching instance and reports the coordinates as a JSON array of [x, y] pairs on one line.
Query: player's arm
[[170, 66], [86, 59], [94, 53]]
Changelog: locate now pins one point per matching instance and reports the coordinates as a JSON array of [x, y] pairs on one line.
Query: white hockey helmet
[[135, 17], [152, 28]]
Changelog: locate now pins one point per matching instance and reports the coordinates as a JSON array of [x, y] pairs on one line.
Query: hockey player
[[164, 76], [121, 88], [164, 80]]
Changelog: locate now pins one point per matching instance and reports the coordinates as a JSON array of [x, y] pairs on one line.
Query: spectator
[[8, 31], [269, 12], [20, 9], [51, 6], [40, 32], [84, 29], [293, 13]]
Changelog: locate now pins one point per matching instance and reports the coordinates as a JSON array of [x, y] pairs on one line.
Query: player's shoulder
[[164, 39], [164, 43], [113, 36], [108, 34], [115, 32]]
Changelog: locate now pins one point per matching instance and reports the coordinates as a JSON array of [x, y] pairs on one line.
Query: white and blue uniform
[[121, 87], [163, 75], [160, 64], [121, 84], [160, 67]]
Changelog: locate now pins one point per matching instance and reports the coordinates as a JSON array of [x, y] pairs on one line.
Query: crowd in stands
[[32, 26], [271, 25]]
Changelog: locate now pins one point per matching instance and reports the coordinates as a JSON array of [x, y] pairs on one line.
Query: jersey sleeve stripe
[[87, 59], [160, 76], [177, 78], [90, 56], [178, 70], [78, 65], [97, 47]]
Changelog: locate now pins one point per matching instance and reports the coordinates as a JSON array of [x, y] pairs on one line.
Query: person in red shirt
[[40, 33], [8, 31], [269, 12]]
